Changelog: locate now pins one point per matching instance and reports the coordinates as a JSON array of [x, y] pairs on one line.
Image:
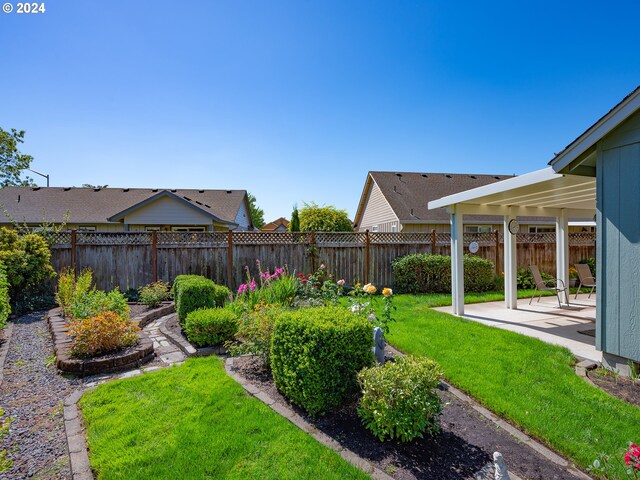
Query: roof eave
[[597, 131]]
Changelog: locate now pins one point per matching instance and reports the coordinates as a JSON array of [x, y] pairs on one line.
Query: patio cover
[[543, 193]]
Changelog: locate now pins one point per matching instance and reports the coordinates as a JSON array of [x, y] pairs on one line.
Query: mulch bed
[[622, 387], [462, 450], [31, 394]]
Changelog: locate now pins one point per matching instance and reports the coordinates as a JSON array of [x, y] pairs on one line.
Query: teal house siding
[[618, 241]]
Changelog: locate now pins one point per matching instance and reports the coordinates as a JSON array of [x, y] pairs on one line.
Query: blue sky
[[296, 101]]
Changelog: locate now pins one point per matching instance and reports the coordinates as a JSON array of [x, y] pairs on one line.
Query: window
[[152, 229], [478, 228], [394, 227], [541, 229], [374, 228], [188, 229]]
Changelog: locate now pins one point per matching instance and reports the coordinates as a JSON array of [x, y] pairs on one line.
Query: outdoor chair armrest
[[559, 284]]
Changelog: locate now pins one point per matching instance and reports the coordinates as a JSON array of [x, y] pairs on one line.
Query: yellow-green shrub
[[102, 333], [399, 400]]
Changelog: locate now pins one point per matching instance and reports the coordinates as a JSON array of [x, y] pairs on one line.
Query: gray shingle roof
[[86, 205], [408, 193]]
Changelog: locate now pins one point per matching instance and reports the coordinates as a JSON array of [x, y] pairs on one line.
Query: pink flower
[[340, 282], [253, 285], [242, 288], [632, 456], [231, 297], [322, 266]]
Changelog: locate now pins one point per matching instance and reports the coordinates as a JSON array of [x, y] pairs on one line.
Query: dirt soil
[[622, 387], [462, 450], [137, 309]]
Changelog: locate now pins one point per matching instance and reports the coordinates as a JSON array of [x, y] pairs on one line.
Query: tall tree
[[324, 219], [294, 224], [12, 162], [257, 214], [89, 185]]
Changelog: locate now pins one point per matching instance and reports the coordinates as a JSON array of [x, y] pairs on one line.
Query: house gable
[[377, 214], [166, 211]]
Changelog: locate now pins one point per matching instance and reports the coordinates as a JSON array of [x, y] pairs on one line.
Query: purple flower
[[253, 285], [231, 297], [265, 275], [242, 288]]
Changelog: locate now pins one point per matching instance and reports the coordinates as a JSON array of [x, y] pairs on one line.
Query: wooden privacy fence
[[132, 259]]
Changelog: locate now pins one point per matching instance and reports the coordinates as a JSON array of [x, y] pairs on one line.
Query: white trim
[[525, 180], [602, 127]]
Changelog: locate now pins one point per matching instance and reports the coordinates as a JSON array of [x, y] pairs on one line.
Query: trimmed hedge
[[211, 326], [424, 273], [193, 292], [316, 354]]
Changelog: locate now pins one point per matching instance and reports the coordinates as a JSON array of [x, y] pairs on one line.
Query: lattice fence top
[[269, 238], [217, 239], [109, 238], [199, 239]]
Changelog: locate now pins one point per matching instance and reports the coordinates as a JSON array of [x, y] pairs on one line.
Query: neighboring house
[[397, 202], [127, 209], [279, 225]]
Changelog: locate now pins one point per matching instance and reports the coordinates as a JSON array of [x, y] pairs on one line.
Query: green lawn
[[520, 378], [195, 422]]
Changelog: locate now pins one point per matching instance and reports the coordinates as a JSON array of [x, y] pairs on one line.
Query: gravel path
[[32, 393]]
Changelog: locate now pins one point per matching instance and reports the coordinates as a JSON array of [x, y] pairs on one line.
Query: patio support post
[[510, 264], [562, 248], [457, 255]]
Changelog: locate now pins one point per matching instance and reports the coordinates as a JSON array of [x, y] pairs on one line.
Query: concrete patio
[[544, 320]]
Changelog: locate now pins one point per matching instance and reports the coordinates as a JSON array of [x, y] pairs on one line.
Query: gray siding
[[166, 211], [618, 241], [377, 211], [242, 218]]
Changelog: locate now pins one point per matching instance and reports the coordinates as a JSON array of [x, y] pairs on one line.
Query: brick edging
[[134, 358], [76, 443], [188, 349], [4, 350], [288, 413]]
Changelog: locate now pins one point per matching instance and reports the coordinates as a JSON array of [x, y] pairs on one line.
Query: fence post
[[367, 256], [497, 243], [73, 251], [230, 260], [434, 239], [312, 250], [154, 255]]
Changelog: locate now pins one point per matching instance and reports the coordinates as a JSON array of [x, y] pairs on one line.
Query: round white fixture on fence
[[474, 247]]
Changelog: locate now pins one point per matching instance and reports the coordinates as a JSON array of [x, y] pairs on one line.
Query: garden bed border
[[131, 358]]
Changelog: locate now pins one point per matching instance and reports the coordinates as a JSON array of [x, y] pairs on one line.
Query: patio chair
[[585, 278], [554, 285]]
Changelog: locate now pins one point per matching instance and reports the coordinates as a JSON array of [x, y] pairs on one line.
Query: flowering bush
[[364, 302], [105, 332], [610, 468], [272, 288]]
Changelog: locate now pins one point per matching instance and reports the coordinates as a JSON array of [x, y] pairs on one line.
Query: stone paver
[[166, 350]]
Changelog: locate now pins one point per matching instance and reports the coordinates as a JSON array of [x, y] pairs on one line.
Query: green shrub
[[5, 307], [316, 354], [524, 278], [254, 333], [70, 288], [592, 265], [27, 261], [154, 293], [93, 302], [425, 273], [210, 326], [193, 292], [399, 400], [479, 274]]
